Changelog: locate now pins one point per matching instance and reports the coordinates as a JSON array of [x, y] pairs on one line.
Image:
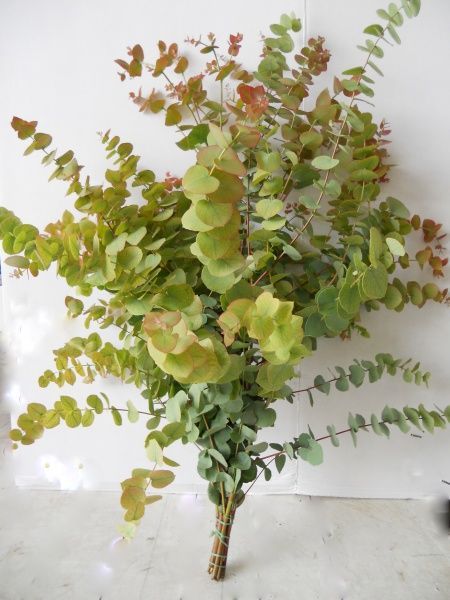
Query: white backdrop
[[56, 58]]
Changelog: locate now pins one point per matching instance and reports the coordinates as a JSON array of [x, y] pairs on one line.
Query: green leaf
[[375, 246], [304, 175], [218, 136], [310, 450], [268, 207], [197, 135], [375, 68], [292, 252], [315, 326], [173, 410], [332, 432], [291, 156], [15, 435], [326, 299], [169, 462], [265, 417], [197, 180], [375, 281], [272, 377], [175, 297], [133, 414], [68, 403], [161, 478], [322, 385], [75, 306], [393, 33], [248, 433], [393, 297], [135, 237], [349, 298], [227, 480], [218, 457], [130, 257], [402, 423], [217, 284], [342, 384], [42, 140], [154, 452], [447, 413], [312, 139], [214, 214], [396, 248], [36, 410], [274, 223], [19, 262], [397, 208], [73, 418], [408, 376], [389, 414], [51, 419], [88, 418], [357, 374], [139, 306], [324, 163], [280, 461], [427, 419], [173, 115], [204, 460], [378, 427], [412, 415], [117, 417], [94, 402], [309, 202], [365, 175], [375, 30], [173, 432]]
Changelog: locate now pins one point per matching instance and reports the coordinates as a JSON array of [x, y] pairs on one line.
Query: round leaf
[[214, 214], [396, 248], [197, 180], [374, 282], [130, 257], [324, 163]]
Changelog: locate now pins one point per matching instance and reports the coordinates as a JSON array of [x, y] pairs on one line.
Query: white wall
[[56, 60]]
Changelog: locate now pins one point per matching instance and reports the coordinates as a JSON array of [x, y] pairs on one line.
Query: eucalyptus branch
[[327, 437], [221, 341], [332, 156]]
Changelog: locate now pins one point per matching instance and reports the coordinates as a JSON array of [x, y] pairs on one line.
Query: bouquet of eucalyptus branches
[[219, 282]]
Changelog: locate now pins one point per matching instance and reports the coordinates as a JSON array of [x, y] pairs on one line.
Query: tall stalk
[[219, 553]]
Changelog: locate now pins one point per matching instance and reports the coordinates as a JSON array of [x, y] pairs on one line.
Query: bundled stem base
[[219, 552]]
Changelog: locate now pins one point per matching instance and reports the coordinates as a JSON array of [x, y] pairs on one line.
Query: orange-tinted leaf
[[173, 115], [24, 129], [430, 229], [135, 69], [231, 188], [182, 65], [254, 98], [245, 135], [173, 50], [42, 140], [137, 53], [224, 159], [225, 71], [162, 63]]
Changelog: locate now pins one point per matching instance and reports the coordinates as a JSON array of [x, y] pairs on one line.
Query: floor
[[58, 545]]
